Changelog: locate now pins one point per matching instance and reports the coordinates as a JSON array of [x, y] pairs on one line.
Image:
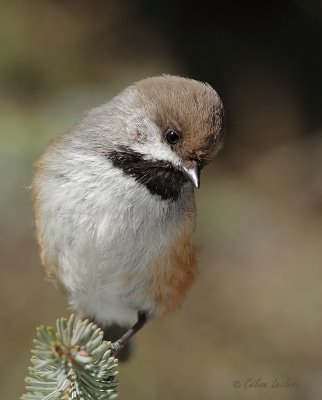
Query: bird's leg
[[121, 342]]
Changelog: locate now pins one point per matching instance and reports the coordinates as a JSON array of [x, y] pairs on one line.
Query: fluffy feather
[[116, 247]]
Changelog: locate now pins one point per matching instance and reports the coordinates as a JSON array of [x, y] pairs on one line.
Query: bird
[[114, 201]]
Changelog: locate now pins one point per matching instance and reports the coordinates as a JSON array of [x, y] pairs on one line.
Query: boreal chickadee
[[114, 200]]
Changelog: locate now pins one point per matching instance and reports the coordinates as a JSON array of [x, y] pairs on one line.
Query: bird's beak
[[193, 174]]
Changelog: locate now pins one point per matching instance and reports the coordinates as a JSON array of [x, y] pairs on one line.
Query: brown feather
[[52, 268], [189, 107], [170, 280]]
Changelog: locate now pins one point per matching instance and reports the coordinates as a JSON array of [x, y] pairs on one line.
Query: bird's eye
[[172, 137]]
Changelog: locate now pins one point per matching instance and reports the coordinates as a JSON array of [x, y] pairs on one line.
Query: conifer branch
[[72, 362]]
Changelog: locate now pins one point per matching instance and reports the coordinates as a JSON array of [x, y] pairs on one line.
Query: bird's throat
[[161, 178]]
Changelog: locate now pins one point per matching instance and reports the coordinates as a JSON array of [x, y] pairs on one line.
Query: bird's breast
[[163, 263]]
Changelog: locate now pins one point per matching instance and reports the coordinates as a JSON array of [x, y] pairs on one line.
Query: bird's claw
[[116, 347]]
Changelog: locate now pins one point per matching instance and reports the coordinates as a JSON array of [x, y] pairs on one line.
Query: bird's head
[[168, 129]]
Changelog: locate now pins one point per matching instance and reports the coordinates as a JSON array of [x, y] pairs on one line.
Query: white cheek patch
[[157, 151], [152, 147]]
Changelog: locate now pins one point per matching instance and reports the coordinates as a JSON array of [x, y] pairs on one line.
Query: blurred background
[[255, 310]]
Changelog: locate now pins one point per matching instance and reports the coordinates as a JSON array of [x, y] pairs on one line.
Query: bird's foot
[[116, 347]]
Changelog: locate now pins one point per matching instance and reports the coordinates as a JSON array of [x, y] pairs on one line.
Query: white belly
[[105, 238]]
